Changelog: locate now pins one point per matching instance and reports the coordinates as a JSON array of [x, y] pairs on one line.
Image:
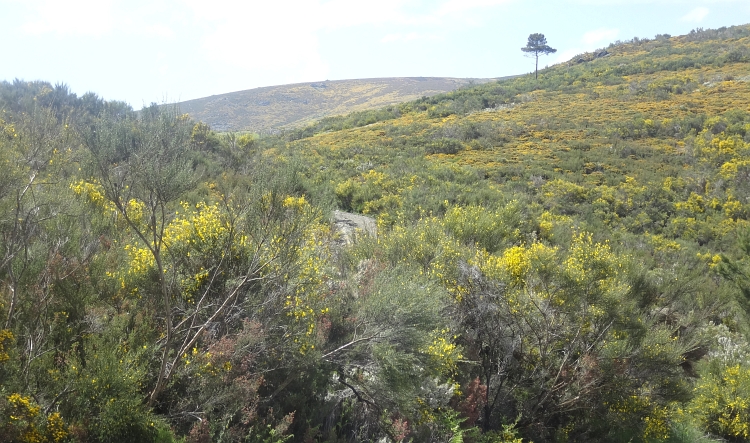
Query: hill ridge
[[269, 108]]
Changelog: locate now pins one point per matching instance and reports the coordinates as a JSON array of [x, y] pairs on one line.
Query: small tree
[[536, 46]]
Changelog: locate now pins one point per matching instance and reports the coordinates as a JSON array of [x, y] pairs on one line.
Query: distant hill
[[285, 106]]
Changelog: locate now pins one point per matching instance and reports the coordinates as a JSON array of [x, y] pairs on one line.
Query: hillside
[[556, 260], [288, 106], [583, 127], [634, 159]]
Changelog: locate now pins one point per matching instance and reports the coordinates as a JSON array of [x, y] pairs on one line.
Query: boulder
[[349, 226]]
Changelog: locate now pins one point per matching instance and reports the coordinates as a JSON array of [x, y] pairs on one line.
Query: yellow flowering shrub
[[548, 222], [22, 421], [200, 227], [56, 429], [722, 400], [661, 244], [693, 205], [563, 195], [445, 354], [6, 338], [588, 261], [734, 209], [308, 304], [93, 193], [426, 245], [362, 193], [22, 416], [514, 265], [296, 254], [488, 229], [195, 234], [655, 420]]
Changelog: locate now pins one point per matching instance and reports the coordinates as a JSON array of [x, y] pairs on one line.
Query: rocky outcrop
[[351, 226]]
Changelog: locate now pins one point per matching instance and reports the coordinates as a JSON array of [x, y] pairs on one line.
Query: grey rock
[[349, 226]]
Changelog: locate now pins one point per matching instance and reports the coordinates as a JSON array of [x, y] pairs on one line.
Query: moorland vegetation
[[562, 259], [265, 110]]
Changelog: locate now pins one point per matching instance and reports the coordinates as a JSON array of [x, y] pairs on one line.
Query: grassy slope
[[635, 113], [298, 104]]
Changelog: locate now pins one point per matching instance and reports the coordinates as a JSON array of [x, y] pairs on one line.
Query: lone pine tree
[[536, 46]]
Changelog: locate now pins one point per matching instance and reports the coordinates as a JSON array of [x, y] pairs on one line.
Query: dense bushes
[[556, 260]]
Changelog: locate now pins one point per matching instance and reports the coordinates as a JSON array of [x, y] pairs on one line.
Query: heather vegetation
[[557, 260], [272, 108]]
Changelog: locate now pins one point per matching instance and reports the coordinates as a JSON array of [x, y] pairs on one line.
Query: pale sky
[[143, 51]]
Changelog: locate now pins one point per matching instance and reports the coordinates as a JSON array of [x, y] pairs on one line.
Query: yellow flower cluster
[[474, 223], [733, 208], [93, 192], [307, 277], [23, 407], [191, 284], [592, 262], [200, 230], [135, 210], [428, 246], [56, 428], [657, 424], [5, 336], [728, 151], [659, 243], [693, 205], [443, 352], [722, 402], [202, 225], [200, 363], [296, 203], [24, 415], [141, 260], [713, 260], [298, 308], [516, 262], [655, 418]]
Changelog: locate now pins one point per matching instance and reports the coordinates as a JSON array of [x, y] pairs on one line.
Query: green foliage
[[109, 398], [486, 228], [386, 355], [352, 120], [720, 405]]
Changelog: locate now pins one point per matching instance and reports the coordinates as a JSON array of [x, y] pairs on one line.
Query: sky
[[144, 51]]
